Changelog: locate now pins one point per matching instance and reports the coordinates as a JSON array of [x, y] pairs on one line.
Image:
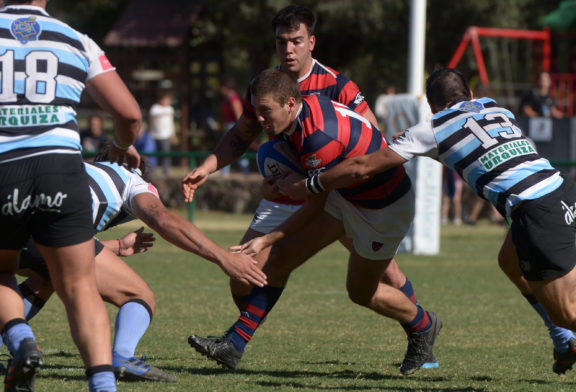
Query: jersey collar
[[295, 122], [312, 64], [22, 7]]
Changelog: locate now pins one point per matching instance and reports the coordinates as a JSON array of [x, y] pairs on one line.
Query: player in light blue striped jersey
[[482, 142], [120, 195], [45, 65]]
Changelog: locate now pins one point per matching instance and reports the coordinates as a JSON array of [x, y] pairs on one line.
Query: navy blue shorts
[[47, 198], [544, 233]]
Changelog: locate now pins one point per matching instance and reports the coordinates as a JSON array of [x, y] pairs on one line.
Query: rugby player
[[483, 143], [44, 194], [375, 215], [293, 28], [120, 195]]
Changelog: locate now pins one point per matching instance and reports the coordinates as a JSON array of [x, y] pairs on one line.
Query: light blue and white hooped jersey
[[113, 187], [44, 66], [484, 144]]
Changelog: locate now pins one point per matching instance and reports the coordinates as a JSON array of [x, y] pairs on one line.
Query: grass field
[[316, 339]]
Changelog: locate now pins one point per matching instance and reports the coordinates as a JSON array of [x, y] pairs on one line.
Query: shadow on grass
[[314, 384], [368, 388]]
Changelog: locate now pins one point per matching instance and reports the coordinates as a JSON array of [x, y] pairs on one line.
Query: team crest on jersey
[[376, 246], [25, 29], [471, 106], [358, 99], [312, 161]]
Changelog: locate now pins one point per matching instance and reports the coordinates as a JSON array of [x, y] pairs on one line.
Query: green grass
[[316, 339]]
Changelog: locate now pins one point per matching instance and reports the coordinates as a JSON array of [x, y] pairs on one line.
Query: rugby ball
[[277, 158]]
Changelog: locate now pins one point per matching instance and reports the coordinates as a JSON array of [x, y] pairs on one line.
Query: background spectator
[[230, 103], [146, 144], [230, 112], [94, 137], [538, 102], [161, 126], [451, 196]]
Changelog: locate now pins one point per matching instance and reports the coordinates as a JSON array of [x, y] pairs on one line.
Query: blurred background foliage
[[367, 40]]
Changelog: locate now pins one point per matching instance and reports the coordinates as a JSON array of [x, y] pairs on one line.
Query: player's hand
[[398, 134], [294, 186], [270, 189], [192, 181], [252, 247], [243, 268], [135, 242], [129, 157]]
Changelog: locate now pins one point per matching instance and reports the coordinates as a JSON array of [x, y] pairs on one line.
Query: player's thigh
[[364, 276], [292, 251], [117, 282], [347, 242], [508, 262], [70, 266], [263, 255]]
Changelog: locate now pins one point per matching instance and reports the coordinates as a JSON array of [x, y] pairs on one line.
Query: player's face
[[273, 117], [294, 47]]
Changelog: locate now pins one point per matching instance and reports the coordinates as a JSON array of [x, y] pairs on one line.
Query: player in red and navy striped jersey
[[294, 35], [319, 79], [375, 214], [327, 132]]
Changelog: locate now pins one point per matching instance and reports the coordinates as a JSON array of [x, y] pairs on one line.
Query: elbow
[[131, 121], [133, 117]]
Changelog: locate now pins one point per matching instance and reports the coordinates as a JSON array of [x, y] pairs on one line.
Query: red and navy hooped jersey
[[322, 80], [327, 133]]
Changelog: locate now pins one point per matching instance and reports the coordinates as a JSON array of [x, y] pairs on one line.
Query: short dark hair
[[12, 2], [294, 15], [273, 81], [446, 87]]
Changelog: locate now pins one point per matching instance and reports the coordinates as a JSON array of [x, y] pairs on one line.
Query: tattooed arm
[[231, 147], [185, 235]]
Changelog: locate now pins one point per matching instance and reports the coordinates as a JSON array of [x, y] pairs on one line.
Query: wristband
[[119, 246], [115, 144], [313, 185]]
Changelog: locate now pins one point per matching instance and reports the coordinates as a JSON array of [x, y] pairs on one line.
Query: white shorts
[[376, 234], [270, 215]]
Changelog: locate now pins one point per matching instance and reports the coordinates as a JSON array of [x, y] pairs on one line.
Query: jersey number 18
[[39, 81]]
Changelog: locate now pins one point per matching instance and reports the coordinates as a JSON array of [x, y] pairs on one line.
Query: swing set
[[515, 58]]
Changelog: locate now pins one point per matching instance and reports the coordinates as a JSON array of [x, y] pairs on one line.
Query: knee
[[140, 294], [565, 320], [393, 276], [359, 297], [278, 265]]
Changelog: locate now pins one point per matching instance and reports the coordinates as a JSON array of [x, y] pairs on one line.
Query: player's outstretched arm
[[185, 235], [230, 148], [111, 94], [294, 223], [348, 172], [358, 169]]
